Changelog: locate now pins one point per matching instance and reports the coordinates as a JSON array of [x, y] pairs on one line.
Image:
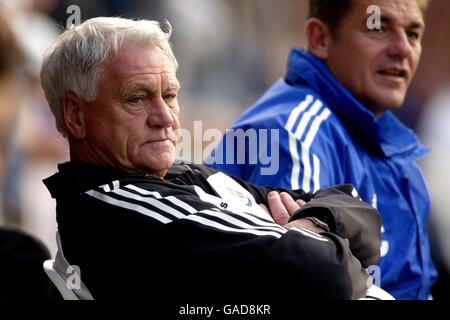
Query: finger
[[277, 209], [300, 202], [289, 203], [262, 205]]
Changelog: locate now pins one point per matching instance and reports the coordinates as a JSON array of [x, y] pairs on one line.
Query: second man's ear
[[74, 110], [318, 38]]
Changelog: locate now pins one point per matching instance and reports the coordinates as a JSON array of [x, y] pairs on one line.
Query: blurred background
[[229, 52]]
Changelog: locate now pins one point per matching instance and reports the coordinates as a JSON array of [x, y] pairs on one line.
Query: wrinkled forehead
[[136, 61]]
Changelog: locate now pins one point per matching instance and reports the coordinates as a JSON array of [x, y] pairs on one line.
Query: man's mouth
[[394, 72], [158, 140], [169, 137]]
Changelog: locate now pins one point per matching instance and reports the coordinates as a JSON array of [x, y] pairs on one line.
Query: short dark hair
[[331, 12]]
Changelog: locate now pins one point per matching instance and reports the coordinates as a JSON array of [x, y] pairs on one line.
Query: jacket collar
[[77, 178], [385, 136], [74, 177]]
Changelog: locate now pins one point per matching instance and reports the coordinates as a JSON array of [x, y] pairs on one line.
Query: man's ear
[[74, 115], [318, 37]]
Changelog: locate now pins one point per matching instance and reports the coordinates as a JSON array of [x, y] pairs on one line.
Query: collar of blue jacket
[[385, 135]]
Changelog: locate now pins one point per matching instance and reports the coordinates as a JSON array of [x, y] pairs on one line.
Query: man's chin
[[155, 166], [392, 104], [386, 101]]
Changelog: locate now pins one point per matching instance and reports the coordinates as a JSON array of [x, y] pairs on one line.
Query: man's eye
[[169, 97], [136, 99], [413, 35], [377, 30]]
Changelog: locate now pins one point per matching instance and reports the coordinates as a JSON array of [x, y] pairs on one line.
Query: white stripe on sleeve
[[157, 195], [295, 174], [310, 234], [259, 221], [151, 201], [307, 118], [316, 167], [230, 219], [296, 112], [181, 204], [293, 139], [216, 225], [306, 146], [129, 206]]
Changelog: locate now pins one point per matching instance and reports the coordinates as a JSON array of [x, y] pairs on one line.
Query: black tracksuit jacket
[[179, 239]]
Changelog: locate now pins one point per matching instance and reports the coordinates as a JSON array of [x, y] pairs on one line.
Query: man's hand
[[281, 208], [349, 218]]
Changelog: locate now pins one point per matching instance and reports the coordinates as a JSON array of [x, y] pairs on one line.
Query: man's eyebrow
[[173, 85], [413, 25], [140, 86], [417, 25]]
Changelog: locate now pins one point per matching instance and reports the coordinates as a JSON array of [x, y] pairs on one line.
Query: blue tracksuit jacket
[[311, 133]]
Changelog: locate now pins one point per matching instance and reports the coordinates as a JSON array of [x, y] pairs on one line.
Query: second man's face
[[132, 123], [377, 66]]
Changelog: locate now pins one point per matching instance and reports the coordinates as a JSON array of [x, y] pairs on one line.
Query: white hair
[[72, 63]]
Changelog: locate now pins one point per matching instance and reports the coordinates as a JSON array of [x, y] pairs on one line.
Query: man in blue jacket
[[330, 124]]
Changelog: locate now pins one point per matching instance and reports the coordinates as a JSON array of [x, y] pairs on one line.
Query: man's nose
[[400, 46], [160, 115]]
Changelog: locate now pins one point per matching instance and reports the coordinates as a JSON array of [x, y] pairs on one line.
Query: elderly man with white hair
[[139, 226]]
